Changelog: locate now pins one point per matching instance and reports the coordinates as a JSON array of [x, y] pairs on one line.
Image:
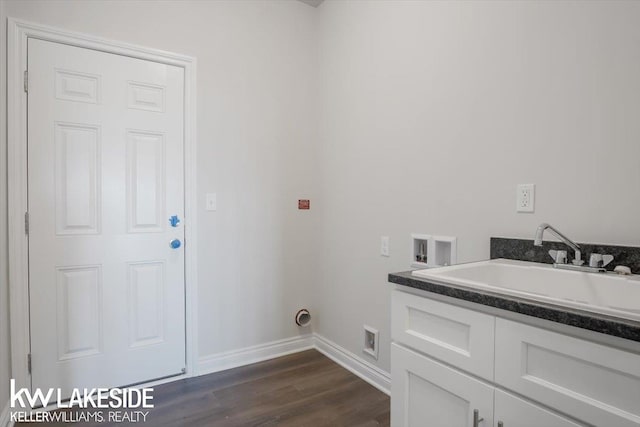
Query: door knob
[[175, 244]]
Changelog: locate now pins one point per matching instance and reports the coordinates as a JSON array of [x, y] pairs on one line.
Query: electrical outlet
[[384, 245], [525, 198]]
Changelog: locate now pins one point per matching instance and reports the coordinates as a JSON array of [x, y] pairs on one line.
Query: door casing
[[18, 34]]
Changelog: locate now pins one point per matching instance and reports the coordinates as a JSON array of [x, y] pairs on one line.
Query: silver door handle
[[476, 418]]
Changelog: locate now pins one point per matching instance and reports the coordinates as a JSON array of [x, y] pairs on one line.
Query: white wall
[[256, 139], [432, 113]]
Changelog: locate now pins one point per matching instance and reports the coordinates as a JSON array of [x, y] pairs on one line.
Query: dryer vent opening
[[303, 317]]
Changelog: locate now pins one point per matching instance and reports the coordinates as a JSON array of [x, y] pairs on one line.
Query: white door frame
[[18, 33]]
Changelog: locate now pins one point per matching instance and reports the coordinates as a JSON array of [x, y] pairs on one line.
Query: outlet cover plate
[[526, 198]]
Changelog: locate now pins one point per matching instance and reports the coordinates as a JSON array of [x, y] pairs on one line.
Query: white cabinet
[[458, 336], [588, 381], [512, 411], [427, 393], [448, 360]]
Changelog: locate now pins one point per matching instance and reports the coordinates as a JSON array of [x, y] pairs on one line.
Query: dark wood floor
[[302, 389]]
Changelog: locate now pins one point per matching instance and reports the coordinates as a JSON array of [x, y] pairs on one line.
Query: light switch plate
[[384, 245], [211, 202]]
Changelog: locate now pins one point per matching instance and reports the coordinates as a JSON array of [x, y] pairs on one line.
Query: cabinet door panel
[[515, 412], [458, 336], [588, 381], [428, 393]]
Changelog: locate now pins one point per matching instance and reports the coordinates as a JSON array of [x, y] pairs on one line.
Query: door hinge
[[26, 81], [29, 362], [26, 223]]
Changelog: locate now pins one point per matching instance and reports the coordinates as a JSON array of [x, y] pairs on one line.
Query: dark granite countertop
[[584, 319]]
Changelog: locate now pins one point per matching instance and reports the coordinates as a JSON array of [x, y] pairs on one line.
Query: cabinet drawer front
[[455, 335], [591, 382], [515, 412], [427, 393]]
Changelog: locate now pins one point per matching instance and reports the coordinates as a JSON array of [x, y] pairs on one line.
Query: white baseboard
[[367, 371], [362, 368], [5, 416], [245, 356]]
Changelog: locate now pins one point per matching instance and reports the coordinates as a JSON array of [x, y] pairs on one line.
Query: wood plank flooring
[[303, 390]]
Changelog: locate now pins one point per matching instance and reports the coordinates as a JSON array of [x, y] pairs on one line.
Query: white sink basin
[[605, 293]]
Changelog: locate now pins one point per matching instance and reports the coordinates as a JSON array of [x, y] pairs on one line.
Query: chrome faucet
[[597, 262], [577, 259]]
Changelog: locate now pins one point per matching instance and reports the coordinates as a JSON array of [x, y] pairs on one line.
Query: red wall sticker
[[304, 204]]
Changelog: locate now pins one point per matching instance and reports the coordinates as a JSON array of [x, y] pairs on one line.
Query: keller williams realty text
[[80, 417]]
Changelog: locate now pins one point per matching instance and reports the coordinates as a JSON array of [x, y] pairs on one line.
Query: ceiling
[[314, 3]]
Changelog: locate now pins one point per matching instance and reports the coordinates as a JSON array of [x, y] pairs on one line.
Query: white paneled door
[[106, 264]]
